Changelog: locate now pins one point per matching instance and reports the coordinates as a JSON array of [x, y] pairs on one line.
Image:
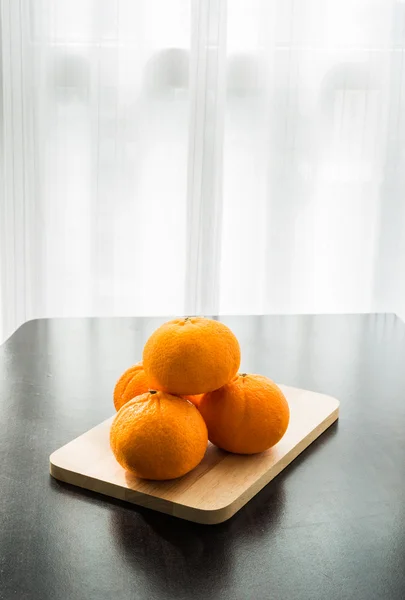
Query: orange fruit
[[194, 399], [191, 356], [248, 415], [158, 436], [131, 383]]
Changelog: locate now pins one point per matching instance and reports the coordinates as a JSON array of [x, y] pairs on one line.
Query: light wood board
[[216, 489]]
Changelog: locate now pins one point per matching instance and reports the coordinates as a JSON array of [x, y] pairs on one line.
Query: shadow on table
[[181, 559]]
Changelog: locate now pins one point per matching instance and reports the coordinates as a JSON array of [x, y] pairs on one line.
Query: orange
[[131, 383], [158, 436], [191, 356], [248, 415], [194, 399]]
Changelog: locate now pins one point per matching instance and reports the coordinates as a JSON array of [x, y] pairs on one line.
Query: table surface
[[332, 525]]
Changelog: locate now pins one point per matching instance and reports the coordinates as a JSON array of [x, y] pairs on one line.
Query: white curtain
[[171, 157]]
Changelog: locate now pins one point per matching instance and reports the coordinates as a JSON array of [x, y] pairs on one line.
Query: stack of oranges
[[188, 390]]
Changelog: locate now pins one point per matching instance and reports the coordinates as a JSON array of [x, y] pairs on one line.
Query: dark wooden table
[[331, 526]]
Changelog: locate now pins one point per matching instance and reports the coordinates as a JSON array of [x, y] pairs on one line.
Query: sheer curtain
[[171, 156]]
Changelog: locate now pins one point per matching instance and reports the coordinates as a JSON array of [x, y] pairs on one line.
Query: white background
[[170, 157]]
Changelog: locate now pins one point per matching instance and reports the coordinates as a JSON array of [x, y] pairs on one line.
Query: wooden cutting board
[[216, 489]]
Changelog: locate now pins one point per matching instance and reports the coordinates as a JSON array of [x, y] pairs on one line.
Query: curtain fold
[[201, 157], [206, 132]]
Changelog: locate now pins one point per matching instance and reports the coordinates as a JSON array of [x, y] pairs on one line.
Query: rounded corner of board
[[53, 464], [334, 402], [337, 405], [216, 516]]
